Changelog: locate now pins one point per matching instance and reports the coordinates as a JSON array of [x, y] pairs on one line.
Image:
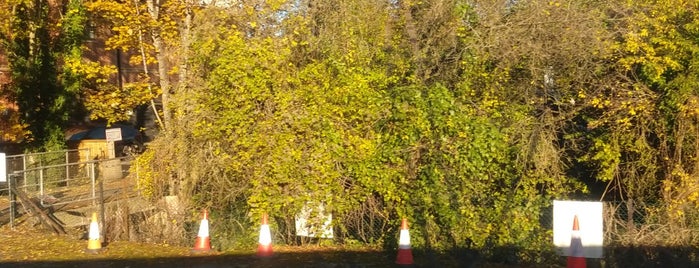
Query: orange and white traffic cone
[[94, 245], [203, 242], [405, 254], [576, 257], [264, 248]]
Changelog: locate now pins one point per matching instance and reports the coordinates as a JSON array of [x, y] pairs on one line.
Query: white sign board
[[113, 134], [589, 222], [307, 223], [3, 167]]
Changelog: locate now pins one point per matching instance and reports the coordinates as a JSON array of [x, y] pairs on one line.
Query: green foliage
[[348, 128], [454, 116], [73, 34], [145, 183]]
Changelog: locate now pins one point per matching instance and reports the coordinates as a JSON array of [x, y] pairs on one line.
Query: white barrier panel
[[3, 167], [589, 222], [308, 222]]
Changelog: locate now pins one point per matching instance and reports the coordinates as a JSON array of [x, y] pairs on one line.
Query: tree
[[144, 28], [331, 104], [31, 38], [456, 114]]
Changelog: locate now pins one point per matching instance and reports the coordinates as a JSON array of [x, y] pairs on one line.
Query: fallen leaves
[[32, 245]]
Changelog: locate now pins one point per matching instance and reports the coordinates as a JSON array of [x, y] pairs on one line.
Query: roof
[[99, 133]]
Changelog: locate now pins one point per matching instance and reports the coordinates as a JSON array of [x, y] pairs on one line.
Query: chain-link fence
[[636, 234]]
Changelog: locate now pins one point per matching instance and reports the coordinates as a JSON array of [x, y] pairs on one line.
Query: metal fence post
[[67, 167], [24, 167], [12, 201], [101, 184], [87, 158], [92, 179], [41, 184]]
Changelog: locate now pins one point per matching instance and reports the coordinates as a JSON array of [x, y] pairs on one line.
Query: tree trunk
[[163, 76], [154, 11]]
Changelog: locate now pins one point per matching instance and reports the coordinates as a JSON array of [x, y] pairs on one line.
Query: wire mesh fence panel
[[29, 173], [54, 185]]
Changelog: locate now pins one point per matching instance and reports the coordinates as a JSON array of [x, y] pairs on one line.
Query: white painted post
[[3, 167]]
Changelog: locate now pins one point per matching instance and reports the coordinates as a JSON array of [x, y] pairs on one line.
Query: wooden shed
[[99, 150]]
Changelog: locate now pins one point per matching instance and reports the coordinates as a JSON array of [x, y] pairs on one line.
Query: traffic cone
[[576, 258], [405, 254], [264, 248], [94, 245], [203, 242]]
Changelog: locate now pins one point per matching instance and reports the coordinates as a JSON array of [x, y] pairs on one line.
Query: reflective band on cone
[[264, 247], [203, 242], [94, 245], [404, 240]]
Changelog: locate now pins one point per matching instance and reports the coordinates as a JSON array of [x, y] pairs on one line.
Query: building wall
[[96, 51]]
